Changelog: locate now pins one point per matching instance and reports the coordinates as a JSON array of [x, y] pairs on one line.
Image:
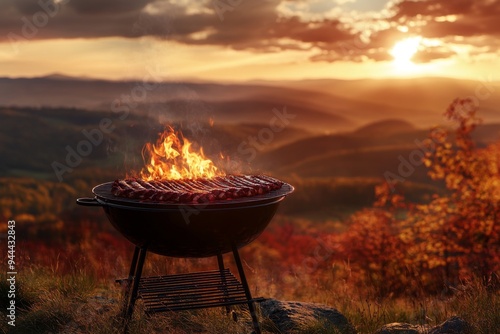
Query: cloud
[[467, 18], [49, 19], [116, 7], [437, 8], [461, 20], [257, 26], [260, 26], [250, 24], [432, 53]]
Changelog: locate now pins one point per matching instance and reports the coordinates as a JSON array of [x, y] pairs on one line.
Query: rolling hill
[[32, 139], [322, 106], [334, 174], [368, 152], [420, 101], [342, 139]]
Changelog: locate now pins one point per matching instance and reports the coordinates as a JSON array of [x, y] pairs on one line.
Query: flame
[[172, 158]]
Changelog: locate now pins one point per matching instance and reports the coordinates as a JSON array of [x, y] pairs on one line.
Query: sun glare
[[403, 52]]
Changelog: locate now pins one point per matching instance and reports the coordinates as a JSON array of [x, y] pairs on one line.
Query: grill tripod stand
[[186, 291]]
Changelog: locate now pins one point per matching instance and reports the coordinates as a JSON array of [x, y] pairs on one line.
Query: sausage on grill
[[196, 190]]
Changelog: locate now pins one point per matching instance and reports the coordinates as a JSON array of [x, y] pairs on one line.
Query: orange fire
[[171, 158]]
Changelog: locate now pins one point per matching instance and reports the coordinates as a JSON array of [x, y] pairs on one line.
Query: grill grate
[[191, 291], [103, 192]]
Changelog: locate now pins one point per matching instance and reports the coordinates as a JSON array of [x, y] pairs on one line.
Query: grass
[[79, 303], [45, 301], [479, 307], [77, 295], [319, 327]]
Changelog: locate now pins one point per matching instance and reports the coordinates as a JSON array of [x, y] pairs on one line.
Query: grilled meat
[[195, 190]]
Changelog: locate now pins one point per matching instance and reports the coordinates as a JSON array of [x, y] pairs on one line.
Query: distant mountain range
[[309, 129], [321, 106], [333, 140], [31, 139]]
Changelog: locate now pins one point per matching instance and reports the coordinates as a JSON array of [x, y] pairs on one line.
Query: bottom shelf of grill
[[191, 291]]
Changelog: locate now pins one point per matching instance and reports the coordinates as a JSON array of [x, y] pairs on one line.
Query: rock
[[288, 317], [292, 317], [401, 328], [454, 325]]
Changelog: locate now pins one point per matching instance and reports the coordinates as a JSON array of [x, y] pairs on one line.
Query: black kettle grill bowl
[[183, 230]]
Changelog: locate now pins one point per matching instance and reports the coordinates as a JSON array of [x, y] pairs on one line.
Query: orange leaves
[[385, 197], [375, 249], [454, 236], [460, 230]]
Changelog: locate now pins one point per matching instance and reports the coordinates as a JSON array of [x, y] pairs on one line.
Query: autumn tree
[[373, 244], [458, 235], [397, 245]]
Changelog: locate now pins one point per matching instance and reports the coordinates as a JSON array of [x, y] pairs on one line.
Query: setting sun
[[404, 51]]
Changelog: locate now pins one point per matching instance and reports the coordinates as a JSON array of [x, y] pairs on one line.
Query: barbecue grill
[[188, 231]]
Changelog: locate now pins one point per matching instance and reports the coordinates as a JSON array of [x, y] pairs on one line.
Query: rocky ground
[[293, 317]]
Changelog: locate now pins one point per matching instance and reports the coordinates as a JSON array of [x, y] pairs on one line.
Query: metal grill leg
[[130, 278], [137, 272], [220, 262], [244, 282]]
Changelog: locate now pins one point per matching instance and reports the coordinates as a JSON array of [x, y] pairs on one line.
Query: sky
[[239, 40]]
